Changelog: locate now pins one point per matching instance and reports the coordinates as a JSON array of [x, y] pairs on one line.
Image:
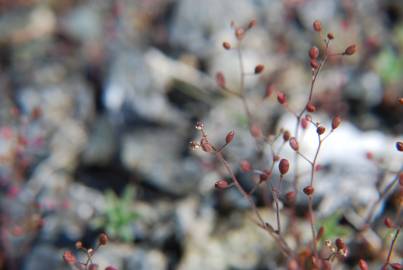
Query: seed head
[[281, 98], [362, 264], [317, 26], [350, 50], [284, 166], [69, 257], [314, 52], [294, 144], [399, 146], [259, 68], [220, 79], [226, 45], [221, 184], [320, 130], [310, 107], [245, 166], [286, 135], [336, 122], [229, 137], [308, 190], [330, 35]]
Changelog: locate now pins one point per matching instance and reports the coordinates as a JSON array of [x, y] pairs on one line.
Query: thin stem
[[391, 248]]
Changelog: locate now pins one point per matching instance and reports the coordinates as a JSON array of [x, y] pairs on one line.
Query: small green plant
[[119, 215]]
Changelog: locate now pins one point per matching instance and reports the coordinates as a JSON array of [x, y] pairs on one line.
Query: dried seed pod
[[309, 190], [330, 35], [340, 244], [388, 223], [284, 166], [310, 107], [220, 79], [314, 64], [281, 98], [336, 122], [317, 26], [226, 45], [221, 184], [314, 52], [79, 245], [399, 146], [320, 130], [245, 166], [286, 135], [229, 137], [294, 144], [350, 50], [259, 68], [362, 264]]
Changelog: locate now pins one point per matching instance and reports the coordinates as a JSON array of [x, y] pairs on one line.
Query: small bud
[[226, 45], [239, 33], [245, 166], [317, 26], [388, 223], [284, 166], [401, 101], [328, 243], [221, 184], [304, 123], [336, 122], [320, 233], [330, 36], [310, 107], [281, 98], [79, 244], [362, 264], [294, 144], [286, 135], [220, 79], [69, 257], [229, 137], [205, 145], [290, 196], [399, 146], [369, 155], [255, 131], [320, 130], [340, 244], [314, 52], [252, 24], [396, 266], [314, 64], [194, 145], [350, 50], [259, 69], [199, 125], [265, 175], [308, 190], [103, 239]]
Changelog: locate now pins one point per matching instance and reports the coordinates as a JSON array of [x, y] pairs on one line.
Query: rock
[[44, 257], [144, 259]]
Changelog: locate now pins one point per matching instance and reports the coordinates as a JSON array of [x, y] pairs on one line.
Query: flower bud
[[388, 223], [317, 26], [294, 144], [320, 130], [259, 69], [340, 244], [399, 146], [245, 166], [314, 52], [336, 122], [220, 79], [330, 36], [284, 166], [221, 184], [205, 145], [79, 245], [281, 98], [286, 135], [229, 137], [226, 45], [308, 190], [350, 50], [310, 107], [362, 264], [314, 64]]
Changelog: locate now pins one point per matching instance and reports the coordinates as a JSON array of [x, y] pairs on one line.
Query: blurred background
[[98, 101]]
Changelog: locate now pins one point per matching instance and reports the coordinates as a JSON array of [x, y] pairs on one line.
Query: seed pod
[[401, 101], [396, 266], [286, 135], [229, 137], [294, 144], [220, 79], [314, 64], [350, 50], [310, 107], [399, 146], [320, 130], [336, 122], [362, 264], [304, 123], [284, 166], [69, 257], [340, 244], [245, 166], [314, 52], [259, 69], [79, 245], [308, 190], [221, 184], [317, 26], [388, 223], [281, 98], [226, 45], [330, 35], [206, 146], [252, 24], [290, 196]]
